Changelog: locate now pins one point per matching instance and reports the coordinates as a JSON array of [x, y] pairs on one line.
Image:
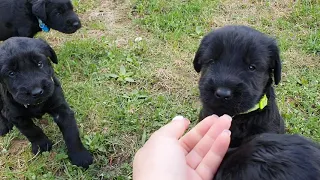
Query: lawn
[[129, 70]]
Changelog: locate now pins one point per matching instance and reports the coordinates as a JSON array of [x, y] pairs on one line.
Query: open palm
[[205, 147], [195, 156]]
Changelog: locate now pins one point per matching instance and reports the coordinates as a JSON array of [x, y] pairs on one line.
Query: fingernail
[[227, 117], [214, 116], [178, 118], [227, 131]]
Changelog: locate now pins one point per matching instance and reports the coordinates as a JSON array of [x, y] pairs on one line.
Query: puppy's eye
[[11, 73], [252, 67], [40, 64]]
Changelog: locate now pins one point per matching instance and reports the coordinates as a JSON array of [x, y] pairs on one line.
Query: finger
[[211, 162], [174, 129], [196, 155], [189, 140]]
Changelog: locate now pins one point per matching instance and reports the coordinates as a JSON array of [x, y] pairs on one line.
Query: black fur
[[19, 17], [237, 64], [272, 157], [29, 89]]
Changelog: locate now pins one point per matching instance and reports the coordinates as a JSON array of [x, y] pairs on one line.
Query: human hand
[[195, 156]]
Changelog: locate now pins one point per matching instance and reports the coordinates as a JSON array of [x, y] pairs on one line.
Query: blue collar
[[43, 26]]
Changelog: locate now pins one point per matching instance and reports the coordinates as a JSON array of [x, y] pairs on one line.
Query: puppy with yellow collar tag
[[238, 67]]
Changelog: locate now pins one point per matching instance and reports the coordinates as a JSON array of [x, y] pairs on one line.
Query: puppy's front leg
[[64, 117], [5, 126], [35, 135]]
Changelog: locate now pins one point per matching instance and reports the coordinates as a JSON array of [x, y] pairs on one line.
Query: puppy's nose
[[36, 92], [223, 93]]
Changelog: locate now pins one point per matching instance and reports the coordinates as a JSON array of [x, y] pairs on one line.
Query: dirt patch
[[111, 13], [175, 79], [295, 58], [247, 12], [109, 19], [17, 146], [113, 19]]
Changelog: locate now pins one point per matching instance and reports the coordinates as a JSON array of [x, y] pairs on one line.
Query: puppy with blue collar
[[25, 18]]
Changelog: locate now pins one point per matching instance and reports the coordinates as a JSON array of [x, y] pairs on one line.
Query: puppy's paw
[[5, 128], [41, 145], [81, 158]]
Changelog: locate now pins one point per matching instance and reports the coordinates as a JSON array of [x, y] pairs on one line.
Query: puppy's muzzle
[[38, 94]]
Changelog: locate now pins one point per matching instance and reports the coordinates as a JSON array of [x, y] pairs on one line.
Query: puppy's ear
[[196, 61], [39, 9], [51, 54], [197, 64], [275, 61], [46, 49]]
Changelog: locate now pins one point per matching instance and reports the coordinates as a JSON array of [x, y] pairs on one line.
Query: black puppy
[[237, 64], [272, 157], [24, 17], [29, 89]]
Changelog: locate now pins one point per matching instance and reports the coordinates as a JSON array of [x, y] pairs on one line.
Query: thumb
[[175, 128]]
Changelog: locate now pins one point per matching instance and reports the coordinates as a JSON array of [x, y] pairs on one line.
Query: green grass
[[175, 20], [122, 89], [304, 22], [82, 6]]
